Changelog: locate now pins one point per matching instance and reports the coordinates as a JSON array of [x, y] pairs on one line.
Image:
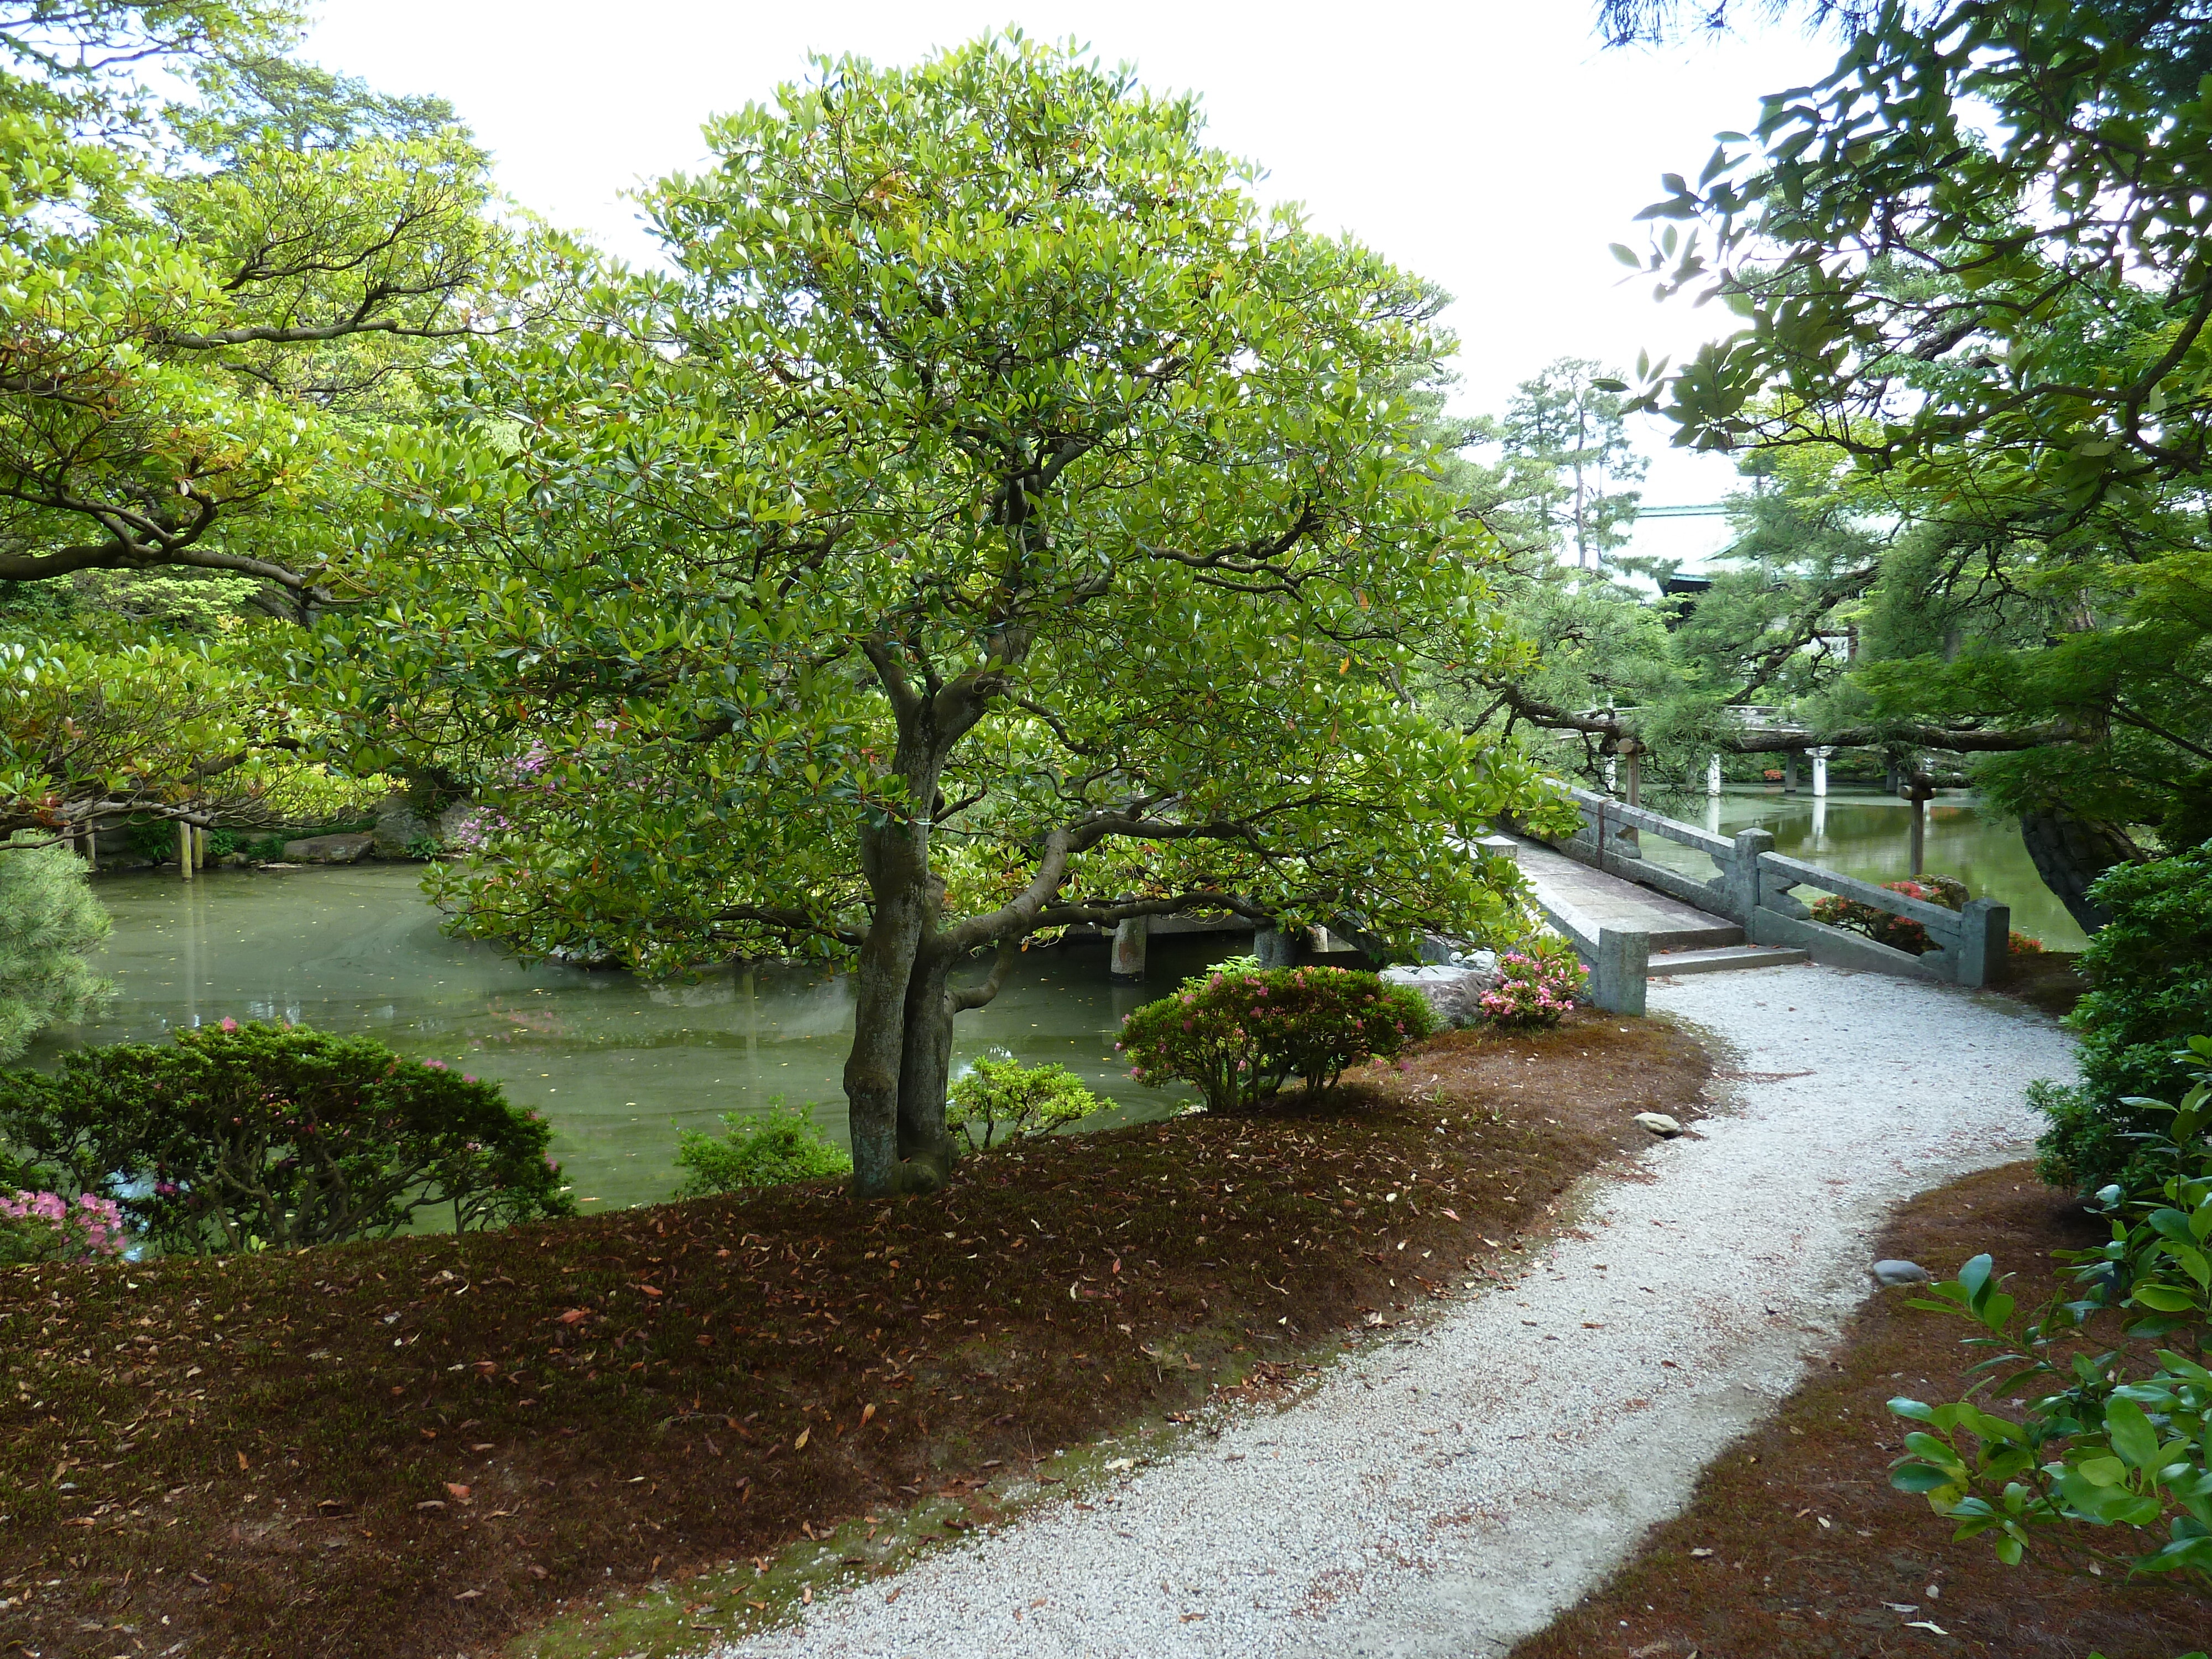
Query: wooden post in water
[[185, 851], [1916, 790]]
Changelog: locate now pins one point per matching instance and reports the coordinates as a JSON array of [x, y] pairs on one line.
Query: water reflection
[[614, 1065]]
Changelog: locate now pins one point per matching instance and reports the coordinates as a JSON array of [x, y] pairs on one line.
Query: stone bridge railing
[[1754, 886]]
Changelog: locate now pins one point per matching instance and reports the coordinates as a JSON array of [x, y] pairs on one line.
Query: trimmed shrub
[[1536, 985], [2149, 972], [1002, 1098], [757, 1149], [272, 1137], [47, 1227], [1239, 1033]]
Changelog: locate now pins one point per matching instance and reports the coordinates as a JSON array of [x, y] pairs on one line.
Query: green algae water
[[1868, 834], [616, 1064]]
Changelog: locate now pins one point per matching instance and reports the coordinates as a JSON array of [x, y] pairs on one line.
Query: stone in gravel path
[[1446, 1494]]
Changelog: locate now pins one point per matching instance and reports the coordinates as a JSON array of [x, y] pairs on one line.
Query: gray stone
[[1890, 1273], [400, 826], [330, 849], [1659, 1124], [1455, 994], [460, 824]]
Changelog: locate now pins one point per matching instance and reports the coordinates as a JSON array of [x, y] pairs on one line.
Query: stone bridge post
[[1819, 771]]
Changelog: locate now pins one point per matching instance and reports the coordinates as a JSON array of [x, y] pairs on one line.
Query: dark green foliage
[[244, 1136], [758, 1150], [16, 1175], [1003, 1098], [1239, 1036], [2150, 984], [157, 839]]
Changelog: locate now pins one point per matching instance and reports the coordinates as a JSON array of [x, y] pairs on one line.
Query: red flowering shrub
[[1899, 932], [1239, 1034]]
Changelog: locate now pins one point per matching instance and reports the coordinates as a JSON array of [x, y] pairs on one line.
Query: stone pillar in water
[[1819, 771], [185, 851], [1130, 938], [1790, 772], [1713, 776]]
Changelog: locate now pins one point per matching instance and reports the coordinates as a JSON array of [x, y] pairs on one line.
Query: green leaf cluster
[[2151, 980], [757, 1149], [2115, 1442], [1239, 1034], [999, 1099]]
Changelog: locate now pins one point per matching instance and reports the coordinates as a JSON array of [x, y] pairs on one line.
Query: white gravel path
[[1444, 1495]]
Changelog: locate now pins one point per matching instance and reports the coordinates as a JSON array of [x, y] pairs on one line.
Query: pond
[[617, 1064], [1868, 834]]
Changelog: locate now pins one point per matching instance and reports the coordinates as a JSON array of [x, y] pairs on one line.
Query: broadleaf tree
[[209, 308], [998, 522]]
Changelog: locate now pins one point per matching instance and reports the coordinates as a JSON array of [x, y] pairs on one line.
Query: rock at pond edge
[[330, 849]]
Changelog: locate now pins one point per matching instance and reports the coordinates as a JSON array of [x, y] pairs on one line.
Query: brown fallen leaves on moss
[[409, 1446]]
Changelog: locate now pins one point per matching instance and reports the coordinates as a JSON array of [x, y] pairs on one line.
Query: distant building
[[1685, 589]]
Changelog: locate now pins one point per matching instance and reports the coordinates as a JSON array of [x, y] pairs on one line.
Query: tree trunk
[[925, 1070], [896, 859], [2071, 852]]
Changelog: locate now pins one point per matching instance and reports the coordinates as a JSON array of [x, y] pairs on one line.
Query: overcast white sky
[[1491, 147]]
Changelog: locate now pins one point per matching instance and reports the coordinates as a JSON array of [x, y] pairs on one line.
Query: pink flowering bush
[[271, 1137], [1536, 985], [47, 1227], [1239, 1034]]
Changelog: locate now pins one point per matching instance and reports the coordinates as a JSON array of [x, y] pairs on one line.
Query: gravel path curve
[[1444, 1495]]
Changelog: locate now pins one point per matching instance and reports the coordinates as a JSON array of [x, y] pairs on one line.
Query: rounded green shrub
[[757, 1149], [1239, 1033], [1002, 1098], [275, 1137]]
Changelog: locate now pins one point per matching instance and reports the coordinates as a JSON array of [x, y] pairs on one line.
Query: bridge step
[[1722, 961]]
